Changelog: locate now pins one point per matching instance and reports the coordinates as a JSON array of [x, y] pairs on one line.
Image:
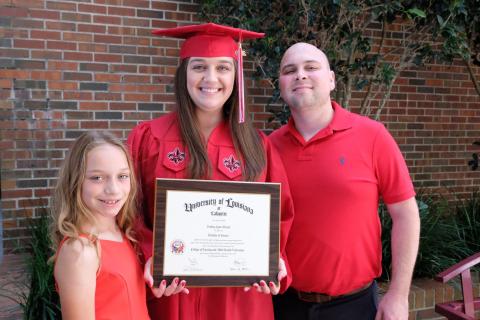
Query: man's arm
[[405, 239]]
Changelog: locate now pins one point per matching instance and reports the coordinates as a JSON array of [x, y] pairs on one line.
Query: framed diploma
[[216, 233]]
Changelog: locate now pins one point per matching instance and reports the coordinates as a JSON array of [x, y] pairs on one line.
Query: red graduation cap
[[212, 40]]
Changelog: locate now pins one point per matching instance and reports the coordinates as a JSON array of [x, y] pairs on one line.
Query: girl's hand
[[163, 290], [272, 287]]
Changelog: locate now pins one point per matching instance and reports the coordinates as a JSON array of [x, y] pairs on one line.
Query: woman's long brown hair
[[246, 140]]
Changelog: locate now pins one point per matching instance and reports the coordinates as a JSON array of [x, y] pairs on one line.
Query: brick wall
[[70, 66]]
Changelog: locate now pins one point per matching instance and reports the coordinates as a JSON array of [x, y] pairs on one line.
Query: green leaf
[[440, 20], [417, 12]]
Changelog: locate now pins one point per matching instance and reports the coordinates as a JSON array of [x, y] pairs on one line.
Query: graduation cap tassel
[[241, 85]]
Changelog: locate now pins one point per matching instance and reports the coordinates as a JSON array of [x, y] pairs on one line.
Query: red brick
[[89, 105], [137, 97], [162, 5], [28, 3], [17, 74], [108, 96], [137, 79], [94, 124], [107, 20], [193, 8], [46, 54], [14, 12], [92, 8], [151, 88], [61, 65], [121, 11], [27, 23], [124, 68], [92, 47], [123, 31], [63, 85], [64, 6], [138, 116], [6, 83], [46, 75], [121, 87], [78, 56], [75, 95], [108, 77], [30, 44], [45, 14], [42, 192], [122, 106], [163, 24], [107, 58], [77, 17], [107, 39], [164, 97], [136, 3], [178, 16], [78, 37], [136, 22], [63, 26], [62, 45], [136, 41], [154, 70], [49, 35], [111, 2], [28, 203], [93, 28]]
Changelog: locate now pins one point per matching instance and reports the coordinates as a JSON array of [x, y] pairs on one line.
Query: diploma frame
[[162, 188]]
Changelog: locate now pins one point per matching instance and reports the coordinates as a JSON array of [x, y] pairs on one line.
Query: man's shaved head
[[313, 51]]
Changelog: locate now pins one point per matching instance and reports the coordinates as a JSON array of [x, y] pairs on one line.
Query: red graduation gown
[[157, 151]]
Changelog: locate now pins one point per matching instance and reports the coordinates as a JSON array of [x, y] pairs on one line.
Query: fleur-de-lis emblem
[[231, 164], [176, 156]]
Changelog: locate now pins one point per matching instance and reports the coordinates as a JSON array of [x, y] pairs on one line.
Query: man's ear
[[332, 80]]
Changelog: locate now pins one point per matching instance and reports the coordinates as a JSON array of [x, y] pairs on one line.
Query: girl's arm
[[75, 273]]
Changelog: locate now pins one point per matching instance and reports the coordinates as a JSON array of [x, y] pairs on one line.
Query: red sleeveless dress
[[120, 289]]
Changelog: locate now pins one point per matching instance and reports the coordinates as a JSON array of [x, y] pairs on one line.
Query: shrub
[[448, 234], [42, 301]]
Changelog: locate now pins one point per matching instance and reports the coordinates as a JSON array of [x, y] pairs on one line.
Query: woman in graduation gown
[[207, 137]]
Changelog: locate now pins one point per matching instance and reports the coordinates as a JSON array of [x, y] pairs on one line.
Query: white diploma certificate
[[216, 234]]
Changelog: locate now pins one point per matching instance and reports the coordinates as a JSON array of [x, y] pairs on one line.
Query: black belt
[[322, 298]]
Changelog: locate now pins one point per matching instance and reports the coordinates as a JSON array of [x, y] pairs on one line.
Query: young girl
[[208, 138], [97, 272]]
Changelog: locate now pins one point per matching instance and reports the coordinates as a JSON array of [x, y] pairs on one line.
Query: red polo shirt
[[336, 180]]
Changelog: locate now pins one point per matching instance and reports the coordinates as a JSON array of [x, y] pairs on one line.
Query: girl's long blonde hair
[[69, 211]]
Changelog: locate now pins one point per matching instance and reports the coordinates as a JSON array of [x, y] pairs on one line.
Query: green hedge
[[449, 233]]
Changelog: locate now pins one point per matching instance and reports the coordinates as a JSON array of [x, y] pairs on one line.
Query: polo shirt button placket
[[306, 152]]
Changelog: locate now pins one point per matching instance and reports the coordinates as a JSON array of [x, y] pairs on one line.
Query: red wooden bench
[[460, 309]]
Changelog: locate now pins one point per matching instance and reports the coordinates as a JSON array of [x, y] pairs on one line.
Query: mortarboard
[[213, 40]]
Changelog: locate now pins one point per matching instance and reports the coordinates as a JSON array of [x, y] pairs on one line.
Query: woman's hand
[[272, 287], [163, 290]]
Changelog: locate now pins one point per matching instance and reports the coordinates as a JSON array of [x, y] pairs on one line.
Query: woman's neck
[[208, 121]]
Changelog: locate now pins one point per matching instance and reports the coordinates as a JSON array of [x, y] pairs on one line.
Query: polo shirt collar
[[342, 120]]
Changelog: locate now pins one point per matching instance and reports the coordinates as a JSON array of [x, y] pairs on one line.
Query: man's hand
[[393, 306]]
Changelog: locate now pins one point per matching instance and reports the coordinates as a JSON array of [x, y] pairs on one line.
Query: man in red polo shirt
[[339, 164]]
